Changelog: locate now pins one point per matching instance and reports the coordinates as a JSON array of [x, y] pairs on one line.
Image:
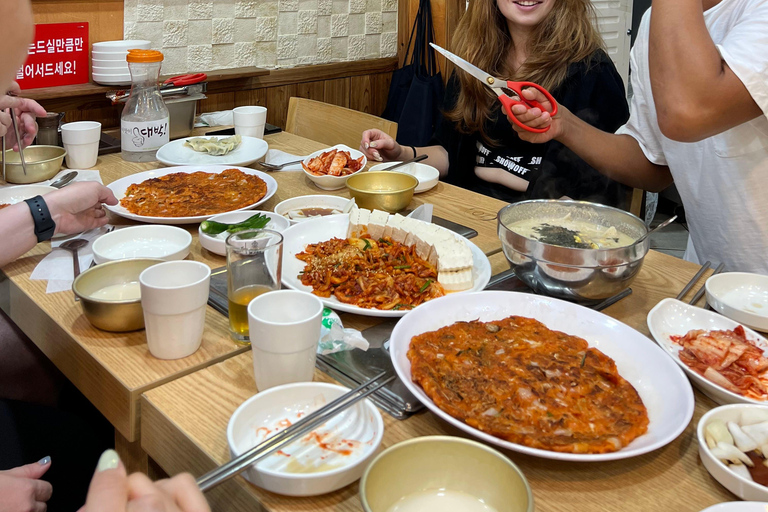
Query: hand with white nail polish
[[21, 489], [379, 146]]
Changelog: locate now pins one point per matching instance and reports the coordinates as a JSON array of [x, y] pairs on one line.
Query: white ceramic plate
[[665, 391], [741, 296], [358, 429], [672, 317], [217, 244], [318, 201], [738, 506], [176, 153], [333, 182], [119, 187], [297, 237], [427, 175], [167, 243], [18, 193]]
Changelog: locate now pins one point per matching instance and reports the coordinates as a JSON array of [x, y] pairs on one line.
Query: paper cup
[[250, 121], [250, 131], [80, 132], [82, 156]]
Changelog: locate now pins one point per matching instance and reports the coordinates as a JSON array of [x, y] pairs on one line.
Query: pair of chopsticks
[[695, 278], [292, 433], [21, 149]]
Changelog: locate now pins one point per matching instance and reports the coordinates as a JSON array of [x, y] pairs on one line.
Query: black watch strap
[[44, 225]]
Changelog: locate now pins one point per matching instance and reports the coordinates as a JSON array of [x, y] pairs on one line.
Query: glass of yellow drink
[[254, 265]]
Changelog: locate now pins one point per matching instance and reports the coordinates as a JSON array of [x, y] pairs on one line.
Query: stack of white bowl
[[109, 66]]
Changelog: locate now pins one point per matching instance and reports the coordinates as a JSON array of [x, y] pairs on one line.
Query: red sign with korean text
[[57, 56]]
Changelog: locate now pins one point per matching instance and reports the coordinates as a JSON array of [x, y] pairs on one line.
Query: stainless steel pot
[[584, 275]]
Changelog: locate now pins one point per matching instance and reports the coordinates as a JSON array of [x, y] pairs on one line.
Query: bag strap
[[410, 39]]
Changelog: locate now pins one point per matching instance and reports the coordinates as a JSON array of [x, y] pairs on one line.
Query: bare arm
[[380, 147], [688, 75]]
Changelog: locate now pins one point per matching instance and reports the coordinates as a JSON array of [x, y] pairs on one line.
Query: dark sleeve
[[446, 134], [595, 93]]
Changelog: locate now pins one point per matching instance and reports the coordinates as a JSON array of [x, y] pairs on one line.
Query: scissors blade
[[466, 66]]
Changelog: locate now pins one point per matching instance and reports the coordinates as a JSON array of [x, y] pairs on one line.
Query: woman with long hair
[[553, 43]]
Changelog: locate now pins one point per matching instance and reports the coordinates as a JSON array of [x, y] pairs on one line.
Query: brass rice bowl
[[43, 162], [382, 190]]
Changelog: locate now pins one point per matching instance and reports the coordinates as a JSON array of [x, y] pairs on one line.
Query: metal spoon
[[660, 226], [73, 246], [64, 180], [277, 167], [412, 160]]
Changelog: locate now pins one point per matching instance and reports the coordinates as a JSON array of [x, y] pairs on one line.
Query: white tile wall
[[199, 35]]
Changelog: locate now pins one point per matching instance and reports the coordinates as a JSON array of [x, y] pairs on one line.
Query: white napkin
[[57, 267], [82, 175], [423, 212], [277, 157], [222, 118]]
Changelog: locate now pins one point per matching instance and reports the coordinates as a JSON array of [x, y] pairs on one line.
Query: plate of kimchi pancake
[[541, 376], [189, 194], [297, 237], [715, 348]]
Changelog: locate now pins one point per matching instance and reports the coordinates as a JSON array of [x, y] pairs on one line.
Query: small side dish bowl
[[737, 484], [427, 175], [43, 162], [165, 243], [101, 290], [444, 463], [17, 194], [327, 182], [741, 296], [217, 243], [331, 457], [319, 203], [382, 190]]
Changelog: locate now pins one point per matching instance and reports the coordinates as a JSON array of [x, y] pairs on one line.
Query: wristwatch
[[44, 224]]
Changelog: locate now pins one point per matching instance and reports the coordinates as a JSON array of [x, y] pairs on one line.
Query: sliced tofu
[[353, 214], [397, 230], [376, 223], [456, 281], [452, 255], [361, 226], [412, 228]]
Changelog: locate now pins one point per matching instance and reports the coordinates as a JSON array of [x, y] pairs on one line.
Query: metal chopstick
[[18, 140], [693, 281], [703, 288], [610, 301], [290, 434], [3, 157]]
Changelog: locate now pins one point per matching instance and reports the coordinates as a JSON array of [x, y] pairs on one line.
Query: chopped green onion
[[367, 244], [402, 266], [425, 286], [583, 359]]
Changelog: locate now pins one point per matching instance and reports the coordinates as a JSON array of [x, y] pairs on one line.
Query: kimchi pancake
[[520, 381], [193, 194]]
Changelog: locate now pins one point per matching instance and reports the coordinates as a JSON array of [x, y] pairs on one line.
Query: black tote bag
[[416, 92]]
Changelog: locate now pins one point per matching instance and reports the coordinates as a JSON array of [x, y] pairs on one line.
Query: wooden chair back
[[331, 124]]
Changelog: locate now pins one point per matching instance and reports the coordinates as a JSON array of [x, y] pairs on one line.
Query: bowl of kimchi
[[330, 168]]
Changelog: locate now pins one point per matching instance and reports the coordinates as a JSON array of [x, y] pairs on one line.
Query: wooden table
[[113, 369], [184, 429]]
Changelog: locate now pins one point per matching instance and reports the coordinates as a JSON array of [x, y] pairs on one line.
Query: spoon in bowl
[[64, 180], [660, 226], [73, 246]]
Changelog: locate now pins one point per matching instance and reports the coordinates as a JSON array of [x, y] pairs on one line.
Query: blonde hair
[[565, 36]]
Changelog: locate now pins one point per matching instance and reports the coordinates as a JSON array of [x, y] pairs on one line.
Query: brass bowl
[[43, 162], [112, 315], [383, 190], [449, 463]]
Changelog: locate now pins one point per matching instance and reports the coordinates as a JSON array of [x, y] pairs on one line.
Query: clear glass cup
[[254, 266]]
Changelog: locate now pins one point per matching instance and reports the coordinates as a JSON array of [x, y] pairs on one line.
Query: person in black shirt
[[549, 42]]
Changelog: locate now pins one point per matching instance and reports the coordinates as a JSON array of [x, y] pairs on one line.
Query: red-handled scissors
[[182, 80], [499, 84]]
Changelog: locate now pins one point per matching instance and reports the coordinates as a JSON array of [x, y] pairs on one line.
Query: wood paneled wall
[[104, 17]]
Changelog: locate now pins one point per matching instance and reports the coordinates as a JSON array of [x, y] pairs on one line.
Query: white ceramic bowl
[[112, 79], [741, 296], [217, 245], [737, 484], [333, 182], [167, 243], [309, 202], [16, 194], [124, 44], [99, 71], [358, 429], [109, 57], [111, 64], [737, 506], [427, 175]]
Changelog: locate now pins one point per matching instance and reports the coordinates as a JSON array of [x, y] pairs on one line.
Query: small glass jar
[[145, 122], [48, 129]]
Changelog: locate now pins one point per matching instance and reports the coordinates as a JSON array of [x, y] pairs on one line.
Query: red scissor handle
[[517, 88], [181, 80]]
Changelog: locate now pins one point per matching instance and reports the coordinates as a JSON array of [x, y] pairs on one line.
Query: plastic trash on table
[[335, 338]]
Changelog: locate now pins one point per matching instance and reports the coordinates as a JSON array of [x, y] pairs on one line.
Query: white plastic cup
[[284, 329], [174, 297], [250, 121], [81, 140]]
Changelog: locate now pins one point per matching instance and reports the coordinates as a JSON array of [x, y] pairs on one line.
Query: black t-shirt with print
[[593, 90]]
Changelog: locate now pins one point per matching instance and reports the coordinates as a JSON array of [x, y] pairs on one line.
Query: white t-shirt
[[722, 180]]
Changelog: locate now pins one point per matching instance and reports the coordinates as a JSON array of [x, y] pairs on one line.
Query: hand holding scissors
[[498, 85]]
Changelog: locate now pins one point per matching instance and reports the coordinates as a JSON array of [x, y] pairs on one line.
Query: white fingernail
[[108, 460], [373, 144], [45, 461], [366, 145]]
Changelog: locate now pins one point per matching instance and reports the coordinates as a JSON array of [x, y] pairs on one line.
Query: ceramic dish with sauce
[[427, 175], [329, 458], [217, 243], [299, 209], [167, 243]]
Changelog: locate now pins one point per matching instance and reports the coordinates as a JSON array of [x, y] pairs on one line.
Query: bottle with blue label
[[145, 122]]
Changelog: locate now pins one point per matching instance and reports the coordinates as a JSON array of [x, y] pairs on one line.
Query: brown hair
[[565, 36]]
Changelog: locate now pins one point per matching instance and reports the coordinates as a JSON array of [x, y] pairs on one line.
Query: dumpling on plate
[[214, 146]]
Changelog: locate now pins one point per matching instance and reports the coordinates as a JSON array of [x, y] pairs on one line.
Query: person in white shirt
[[699, 114]]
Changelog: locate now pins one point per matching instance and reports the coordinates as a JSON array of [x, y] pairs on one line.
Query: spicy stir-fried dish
[[183, 194], [380, 274], [333, 163], [520, 381], [4, 205], [727, 358]]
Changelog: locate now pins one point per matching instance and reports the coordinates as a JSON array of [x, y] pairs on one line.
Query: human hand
[[21, 489], [379, 146], [77, 207], [537, 118], [26, 111], [112, 490]]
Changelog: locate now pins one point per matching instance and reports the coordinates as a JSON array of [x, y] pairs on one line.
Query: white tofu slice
[[452, 255], [412, 228], [419, 236], [395, 223], [376, 223], [353, 215], [456, 281], [363, 217]]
